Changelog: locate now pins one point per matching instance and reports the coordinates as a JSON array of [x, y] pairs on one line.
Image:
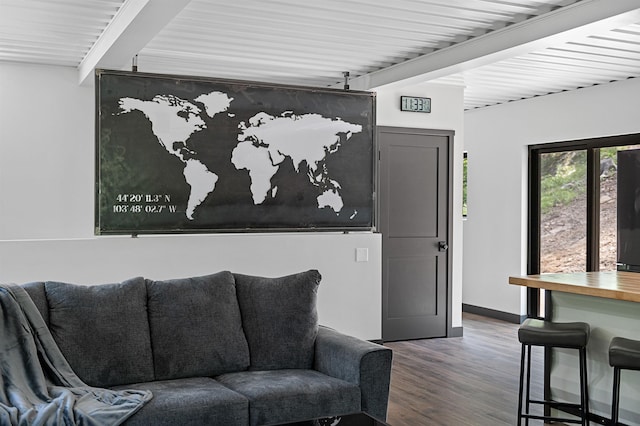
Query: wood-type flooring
[[470, 380]]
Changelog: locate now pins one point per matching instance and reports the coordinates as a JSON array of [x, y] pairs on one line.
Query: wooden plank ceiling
[[500, 50]]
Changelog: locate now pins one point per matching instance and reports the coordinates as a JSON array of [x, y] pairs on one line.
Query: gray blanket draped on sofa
[[37, 385]]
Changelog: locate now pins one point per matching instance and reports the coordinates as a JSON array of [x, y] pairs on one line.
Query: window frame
[[465, 184]]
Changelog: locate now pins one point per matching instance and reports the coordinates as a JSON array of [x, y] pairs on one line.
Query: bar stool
[[573, 335], [623, 354]]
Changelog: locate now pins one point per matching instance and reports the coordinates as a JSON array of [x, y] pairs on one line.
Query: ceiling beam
[[135, 24], [581, 18]]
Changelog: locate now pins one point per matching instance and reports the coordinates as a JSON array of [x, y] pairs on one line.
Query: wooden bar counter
[[611, 285], [610, 303]]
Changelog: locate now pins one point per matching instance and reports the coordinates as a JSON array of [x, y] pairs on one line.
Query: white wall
[[496, 139], [47, 211], [47, 207], [447, 113]]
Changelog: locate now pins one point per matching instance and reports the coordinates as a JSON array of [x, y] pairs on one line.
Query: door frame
[[450, 134]]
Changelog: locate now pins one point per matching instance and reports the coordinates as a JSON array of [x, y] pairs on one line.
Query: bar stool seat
[[559, 335], [570, 335], [624, 354]]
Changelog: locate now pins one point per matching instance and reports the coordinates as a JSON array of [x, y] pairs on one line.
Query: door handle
[[443, 246]]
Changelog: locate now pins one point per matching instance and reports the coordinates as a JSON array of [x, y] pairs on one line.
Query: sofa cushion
[[190, 402], [282, 396], [102, 330], [36, 292], [280, 319], [196, 329]]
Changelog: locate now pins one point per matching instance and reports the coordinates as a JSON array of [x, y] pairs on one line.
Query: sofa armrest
[[357, 361]]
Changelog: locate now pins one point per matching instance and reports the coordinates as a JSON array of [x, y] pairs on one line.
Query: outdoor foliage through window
[[563, 178], [563, 211]]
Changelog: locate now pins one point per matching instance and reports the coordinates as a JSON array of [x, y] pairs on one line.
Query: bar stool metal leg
[[525, 391], [584, 387], [528, 406], [615, 403], [521, 386]]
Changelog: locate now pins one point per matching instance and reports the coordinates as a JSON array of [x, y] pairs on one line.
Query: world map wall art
[[190, 154]]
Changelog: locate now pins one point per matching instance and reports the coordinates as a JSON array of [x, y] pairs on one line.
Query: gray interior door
[[414, 221]]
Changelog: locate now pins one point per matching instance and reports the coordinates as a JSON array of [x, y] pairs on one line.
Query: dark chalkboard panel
[[188, 154]]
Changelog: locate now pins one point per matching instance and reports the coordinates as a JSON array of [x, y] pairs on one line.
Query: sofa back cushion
[[36, 292], [102, 330], [196, 329], [280, 319]]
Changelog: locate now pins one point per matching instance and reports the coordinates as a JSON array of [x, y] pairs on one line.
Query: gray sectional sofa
[[223, 349]]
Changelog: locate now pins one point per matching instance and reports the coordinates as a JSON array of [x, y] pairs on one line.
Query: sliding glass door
[[572, 208]]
